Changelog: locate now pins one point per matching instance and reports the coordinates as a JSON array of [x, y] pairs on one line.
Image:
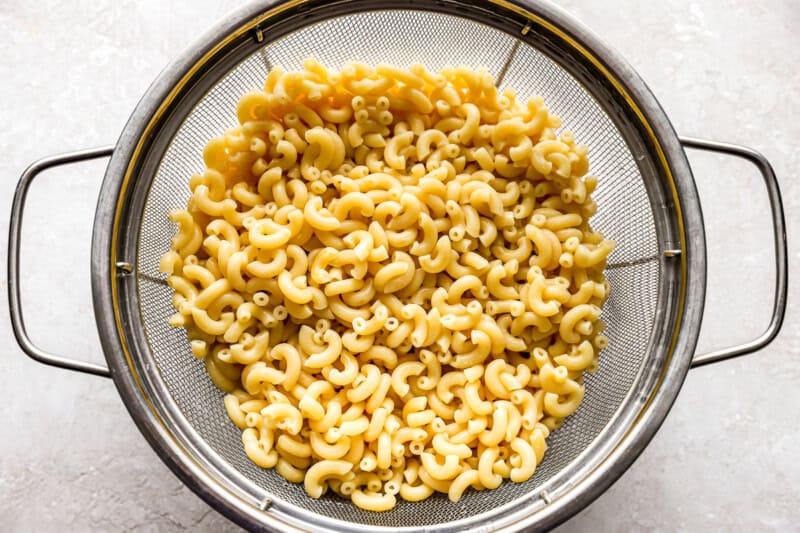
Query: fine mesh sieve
[[647, 204], [432, 39], [403, 37]]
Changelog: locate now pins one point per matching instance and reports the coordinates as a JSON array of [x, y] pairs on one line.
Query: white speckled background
[[727, 457]]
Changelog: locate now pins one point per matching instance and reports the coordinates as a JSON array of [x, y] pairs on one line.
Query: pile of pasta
[[393, 276]]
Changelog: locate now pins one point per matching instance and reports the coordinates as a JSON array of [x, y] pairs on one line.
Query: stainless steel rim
[[550, 509]]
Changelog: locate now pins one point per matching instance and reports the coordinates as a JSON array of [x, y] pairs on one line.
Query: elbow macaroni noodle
[[392, 275]]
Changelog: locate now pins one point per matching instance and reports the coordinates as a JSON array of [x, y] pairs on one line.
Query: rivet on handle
[[259, 34], [125, 268]]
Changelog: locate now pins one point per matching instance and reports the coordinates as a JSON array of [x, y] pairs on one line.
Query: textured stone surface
[[725, 459]]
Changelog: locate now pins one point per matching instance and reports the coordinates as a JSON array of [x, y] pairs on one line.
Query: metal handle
[[15, 231], [779, 236]]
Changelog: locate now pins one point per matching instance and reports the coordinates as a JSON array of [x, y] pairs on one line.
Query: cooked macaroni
[[392, 275]]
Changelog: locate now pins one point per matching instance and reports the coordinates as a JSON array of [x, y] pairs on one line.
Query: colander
[[647, 203]]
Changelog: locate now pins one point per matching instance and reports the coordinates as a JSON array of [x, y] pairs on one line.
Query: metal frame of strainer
[[680, 233]]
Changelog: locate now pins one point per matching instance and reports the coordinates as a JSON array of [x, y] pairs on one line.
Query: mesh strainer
[[648, 205]]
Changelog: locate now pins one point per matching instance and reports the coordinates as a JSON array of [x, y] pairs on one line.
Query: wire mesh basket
[[648, 205]]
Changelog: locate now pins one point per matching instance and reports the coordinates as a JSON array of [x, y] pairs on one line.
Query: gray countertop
[[725, 459]]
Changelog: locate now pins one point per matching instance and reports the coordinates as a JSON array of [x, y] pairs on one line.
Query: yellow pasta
[[393, 276]]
